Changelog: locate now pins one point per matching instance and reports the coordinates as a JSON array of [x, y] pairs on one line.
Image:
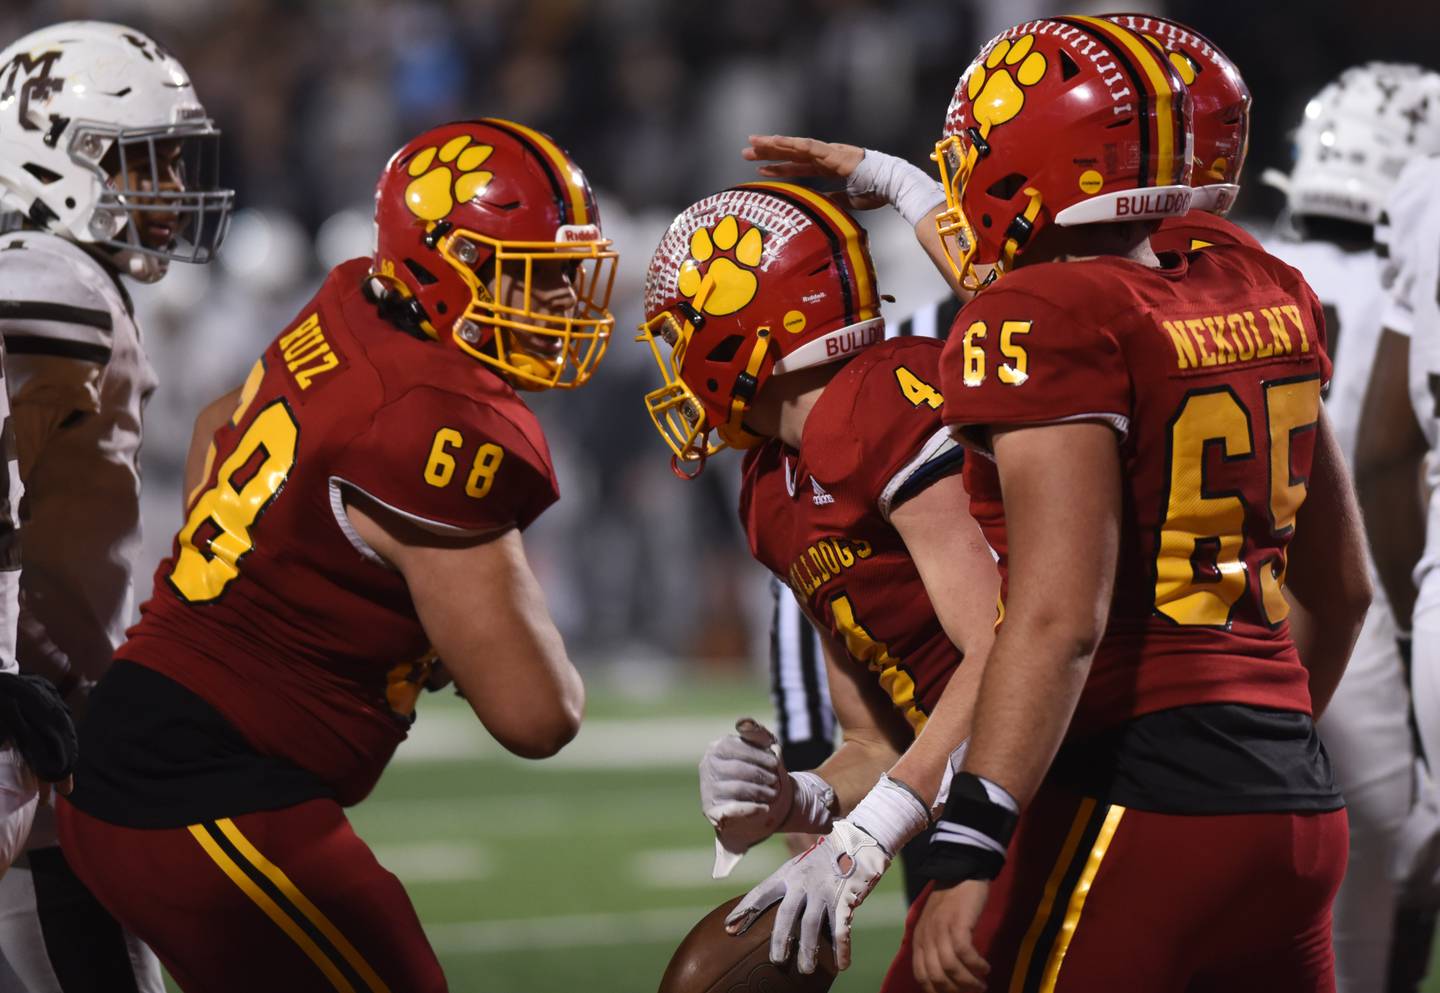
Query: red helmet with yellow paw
[[487, 236], [755, 281], [1221, 120], [1067, 120]]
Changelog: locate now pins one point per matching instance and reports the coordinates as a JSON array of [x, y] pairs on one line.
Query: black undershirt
[[155, 755], [1206, 759]]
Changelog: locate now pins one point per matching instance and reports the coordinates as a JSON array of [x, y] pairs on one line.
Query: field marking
[[689, 868], [595, 930], [527, 815], [435, 861], [636, 743]]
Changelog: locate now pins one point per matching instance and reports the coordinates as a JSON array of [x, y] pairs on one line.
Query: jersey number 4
[[217, 534], [1200, 572]]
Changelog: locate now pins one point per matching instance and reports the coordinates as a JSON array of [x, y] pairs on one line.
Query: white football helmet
[[1357, 134], [92, 116]]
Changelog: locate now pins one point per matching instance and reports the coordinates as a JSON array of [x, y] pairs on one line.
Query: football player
[[1195, 651], [108, 160], [1153, 492], [763, 316], [1356, 135], [357, 512], [1395, 446]]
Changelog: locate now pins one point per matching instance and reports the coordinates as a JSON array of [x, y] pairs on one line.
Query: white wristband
[[892, 814], [907, 188], [811, 809]]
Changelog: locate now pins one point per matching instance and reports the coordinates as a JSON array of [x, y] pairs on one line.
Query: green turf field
[[584, 871]]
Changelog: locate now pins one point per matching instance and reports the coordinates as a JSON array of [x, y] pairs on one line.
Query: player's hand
[[787, 157], [746, 794], [823, 885], [945, 957], [744, 791], [35, 718]]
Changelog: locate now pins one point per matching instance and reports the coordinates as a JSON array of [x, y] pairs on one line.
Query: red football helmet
[[1068, 120], [488, 233], [1222, 106], [757, 280]]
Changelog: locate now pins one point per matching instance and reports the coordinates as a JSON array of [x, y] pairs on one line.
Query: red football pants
[[276, 901], [1098, 897]]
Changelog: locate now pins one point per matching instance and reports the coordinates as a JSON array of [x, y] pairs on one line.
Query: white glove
[[829, 881], [747, 796]]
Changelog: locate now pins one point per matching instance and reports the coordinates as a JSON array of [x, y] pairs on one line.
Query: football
[[711, 961]]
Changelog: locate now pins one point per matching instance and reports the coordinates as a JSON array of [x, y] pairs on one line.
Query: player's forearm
[[1031, 685], [928, 235], [922, 767], [1390, 500], [207, 422], [855, 767], [1324, 640]]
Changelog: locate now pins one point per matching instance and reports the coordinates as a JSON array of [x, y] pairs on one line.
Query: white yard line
[[639, 743], [436, 861], [594, 930]]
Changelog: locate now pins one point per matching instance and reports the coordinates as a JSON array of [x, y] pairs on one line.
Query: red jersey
[[1199, 229], [271, 608], [819, 518], [1210, 372]]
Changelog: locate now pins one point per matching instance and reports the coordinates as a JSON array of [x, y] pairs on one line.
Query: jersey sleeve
[[452, 464], [881, 432], [57, 321], [1396, 237], [1014, 359]]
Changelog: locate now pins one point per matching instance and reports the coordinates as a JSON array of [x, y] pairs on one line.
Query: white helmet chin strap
[[838, 344]]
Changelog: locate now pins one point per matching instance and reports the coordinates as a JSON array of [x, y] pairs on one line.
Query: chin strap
[[745, 385]]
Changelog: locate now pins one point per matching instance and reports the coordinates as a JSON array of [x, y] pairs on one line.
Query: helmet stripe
[[561, 168], [851, 232], [1158, 75]]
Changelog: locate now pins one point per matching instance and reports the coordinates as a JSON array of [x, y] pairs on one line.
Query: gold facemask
[[956, 157], [532, 348], [677, 413]]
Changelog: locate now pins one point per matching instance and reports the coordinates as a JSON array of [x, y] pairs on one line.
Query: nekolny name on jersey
[[306, 346], [1236, 337], [825, 560]]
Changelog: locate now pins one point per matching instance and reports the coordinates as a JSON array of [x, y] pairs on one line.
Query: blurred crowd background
[[654, 98]]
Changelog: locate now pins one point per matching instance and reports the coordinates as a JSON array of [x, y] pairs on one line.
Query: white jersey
[[1348, 285], [78, 382], [1412, 236]]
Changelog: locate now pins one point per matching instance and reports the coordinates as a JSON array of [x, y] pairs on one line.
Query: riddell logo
[[1153, 204], [851, 340], [577, 232]]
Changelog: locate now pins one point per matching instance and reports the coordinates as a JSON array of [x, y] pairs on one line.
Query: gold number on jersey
[[223, 515], [862, 646], [482, 472], [916, 390], [440, 466], [974, 354], [1016, 371], [1199, 573], [1012, 372]]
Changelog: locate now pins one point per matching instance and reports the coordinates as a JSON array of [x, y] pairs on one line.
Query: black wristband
[[971, 835]]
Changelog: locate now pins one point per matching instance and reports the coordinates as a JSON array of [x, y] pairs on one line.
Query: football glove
[[825, 884], [36, 720], [746, 794]]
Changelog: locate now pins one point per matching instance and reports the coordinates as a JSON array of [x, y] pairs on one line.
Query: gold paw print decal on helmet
[[993, 90], [454, 178], [734, 285]]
